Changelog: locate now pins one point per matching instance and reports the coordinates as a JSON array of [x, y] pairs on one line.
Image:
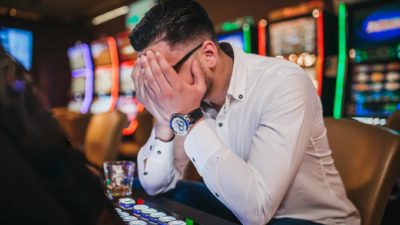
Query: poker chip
[[167, 219], [158, 215], [140, 207], [123, 214], [177, 222], [137, 222], [126, 203], [149, 211], [129, 218]]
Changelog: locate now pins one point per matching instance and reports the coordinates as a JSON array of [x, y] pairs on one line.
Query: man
[[259, 141]]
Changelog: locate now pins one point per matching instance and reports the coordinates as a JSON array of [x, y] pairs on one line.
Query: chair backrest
[[191, 173], [394, 121], [74, 125], [143, 131], [60, 114], [130, 148], [103, 137], [368, 160]]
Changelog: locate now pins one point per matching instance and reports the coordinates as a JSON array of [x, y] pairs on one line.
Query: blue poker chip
[[126, 203], [137, 209], [145, 213]]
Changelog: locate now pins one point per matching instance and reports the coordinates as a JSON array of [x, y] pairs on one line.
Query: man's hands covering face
[[164, 86], [162, 92], [143, 96]]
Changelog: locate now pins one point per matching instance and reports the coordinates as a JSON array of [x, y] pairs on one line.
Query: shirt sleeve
[[254, 188], [159, 168]]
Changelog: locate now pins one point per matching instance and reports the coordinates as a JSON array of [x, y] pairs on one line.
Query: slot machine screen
[[234, 38], [75, 57], [126, 83], [78, 85], [293, 36], [128, 106], [376, 26], [103, 80], [375, 91], [125, 49], [101, 53], [18, 43]]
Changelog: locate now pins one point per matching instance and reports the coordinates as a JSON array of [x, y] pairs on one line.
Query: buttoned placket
[[221, 126]]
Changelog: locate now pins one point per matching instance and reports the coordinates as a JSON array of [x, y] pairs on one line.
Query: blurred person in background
[[44, 181]]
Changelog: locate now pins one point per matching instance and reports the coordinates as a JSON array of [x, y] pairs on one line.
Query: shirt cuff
[[162, 151], [201, 143]]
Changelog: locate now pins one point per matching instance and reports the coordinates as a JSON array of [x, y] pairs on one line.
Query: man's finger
[[152, 83], [169, 73], [148, 90], [157, 73], [135, 75], [198, 77]]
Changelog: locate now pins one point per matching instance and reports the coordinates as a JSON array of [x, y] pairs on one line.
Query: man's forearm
[[163, 132]]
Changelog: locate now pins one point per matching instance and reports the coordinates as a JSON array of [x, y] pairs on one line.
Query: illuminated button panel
[[375, 91]]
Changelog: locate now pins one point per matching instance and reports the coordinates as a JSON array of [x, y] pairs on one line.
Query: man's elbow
[[154, 186]]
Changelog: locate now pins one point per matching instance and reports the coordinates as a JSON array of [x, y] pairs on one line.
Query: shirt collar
[[237, 85]]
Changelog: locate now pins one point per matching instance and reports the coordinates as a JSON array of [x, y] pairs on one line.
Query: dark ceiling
[[63, 10], [73, 10]]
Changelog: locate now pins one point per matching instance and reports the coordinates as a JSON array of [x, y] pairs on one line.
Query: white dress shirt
[[264, 154]]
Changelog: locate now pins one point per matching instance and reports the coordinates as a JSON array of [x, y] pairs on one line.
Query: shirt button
[[145, 173], [151, 147], [159, 152], [220, 124], [216, 194], [240, 96], [193, 160]]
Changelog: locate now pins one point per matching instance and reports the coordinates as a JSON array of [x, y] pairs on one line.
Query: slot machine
[[302, 34], [240, 32], [81, 66], [127, 102], [106, 75], [368, 86]]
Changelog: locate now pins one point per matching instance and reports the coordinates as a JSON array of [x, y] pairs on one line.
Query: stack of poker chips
[[143, 214]]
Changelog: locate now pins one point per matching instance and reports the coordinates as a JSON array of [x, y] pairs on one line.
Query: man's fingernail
[[158, 53]]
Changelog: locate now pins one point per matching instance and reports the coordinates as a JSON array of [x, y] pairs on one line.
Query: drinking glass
[[119, 177]]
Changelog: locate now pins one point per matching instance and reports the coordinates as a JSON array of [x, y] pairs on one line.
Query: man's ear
[[210, 54]]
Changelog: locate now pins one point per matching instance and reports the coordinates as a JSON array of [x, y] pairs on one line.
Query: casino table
[[171, 208]]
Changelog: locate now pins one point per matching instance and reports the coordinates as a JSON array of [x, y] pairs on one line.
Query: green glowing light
[[398, 51], [189, 221], [247, 38], [229, 26], [341, 72]]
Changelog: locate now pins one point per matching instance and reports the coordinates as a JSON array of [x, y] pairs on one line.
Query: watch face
[[179, 125]]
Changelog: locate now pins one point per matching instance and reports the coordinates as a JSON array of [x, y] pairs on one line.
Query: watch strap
[[195, 115]]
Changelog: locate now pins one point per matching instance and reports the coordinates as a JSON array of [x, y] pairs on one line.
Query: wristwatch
[[180, 123]]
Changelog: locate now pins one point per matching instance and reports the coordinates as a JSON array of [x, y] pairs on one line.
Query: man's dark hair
[[173, 21]]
